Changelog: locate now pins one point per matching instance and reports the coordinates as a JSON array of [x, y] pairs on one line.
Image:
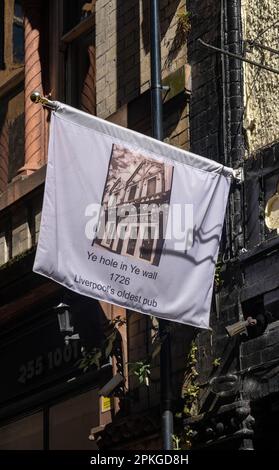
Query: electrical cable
[[261, 33]]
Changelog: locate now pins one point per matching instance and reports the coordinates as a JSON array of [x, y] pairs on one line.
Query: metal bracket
[[238, 174], [36, 97], [237, 56]]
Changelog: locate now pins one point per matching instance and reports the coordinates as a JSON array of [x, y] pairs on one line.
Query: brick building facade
[[96, 56], [230, 114]]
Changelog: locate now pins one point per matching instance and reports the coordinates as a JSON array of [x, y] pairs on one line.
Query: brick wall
[[122, 87], [209, 101], [205, 116], [123, 52], [261, 87], [19, 227]]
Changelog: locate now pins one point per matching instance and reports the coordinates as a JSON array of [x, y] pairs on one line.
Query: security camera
[[240, 326], [110, 386]]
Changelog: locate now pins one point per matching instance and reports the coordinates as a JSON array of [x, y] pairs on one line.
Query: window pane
[[11, 136], [76, 11], [80, 73], [16, 145], [24, 434], [70, 422], [4, 148], [132, 241], [147, 244], [1, 34], [18, 34], [132, 192], [151, 186]]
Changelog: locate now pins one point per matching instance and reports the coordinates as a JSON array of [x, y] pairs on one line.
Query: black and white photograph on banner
[[139, 232], [135, 205]]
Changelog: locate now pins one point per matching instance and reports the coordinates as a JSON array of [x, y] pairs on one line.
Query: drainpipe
[[157, 132], [236, 109]]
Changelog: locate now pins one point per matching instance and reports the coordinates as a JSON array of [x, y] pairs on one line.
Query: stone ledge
[[20, 187], [262, 349]]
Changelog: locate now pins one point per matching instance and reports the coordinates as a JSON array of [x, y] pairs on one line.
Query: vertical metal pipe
[[156, 79], [157, 131], [165, 386]]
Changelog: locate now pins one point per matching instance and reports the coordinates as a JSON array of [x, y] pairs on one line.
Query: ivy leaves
[[142, 370], [95, 356]]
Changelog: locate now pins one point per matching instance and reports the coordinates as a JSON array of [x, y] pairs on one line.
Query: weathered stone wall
[[261, 119], [123, 52], [205, 118], [19, 228]]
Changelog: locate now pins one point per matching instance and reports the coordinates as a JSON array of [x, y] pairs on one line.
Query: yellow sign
[[106, 404]]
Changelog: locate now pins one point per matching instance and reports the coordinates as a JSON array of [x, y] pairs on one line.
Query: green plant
[[90, 359], [176, 442], [183, 24], [142, 370], [183, 27], [190, 395], [216, 362], [93, 357], [187, 438]]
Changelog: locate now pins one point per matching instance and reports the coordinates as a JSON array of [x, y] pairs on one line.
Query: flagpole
[[157, 132], [36, 97]]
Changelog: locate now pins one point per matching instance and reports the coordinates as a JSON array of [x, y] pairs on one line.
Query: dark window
[[132, 192], [18, 34], [261, 181], [151, 186], [11, 136], [79, 45], [23, 434], [147, 244], [16, 145], [62, 426], [1, 34], [76, 11], [116, 197], [70, 421], [132, 241]]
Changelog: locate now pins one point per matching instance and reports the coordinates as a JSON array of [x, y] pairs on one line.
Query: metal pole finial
[[36, 97]]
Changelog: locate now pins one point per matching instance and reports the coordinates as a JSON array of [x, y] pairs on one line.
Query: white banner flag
[[131, 220]]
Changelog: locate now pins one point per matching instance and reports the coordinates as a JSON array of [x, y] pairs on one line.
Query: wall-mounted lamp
[[65, 322], [240, 327]]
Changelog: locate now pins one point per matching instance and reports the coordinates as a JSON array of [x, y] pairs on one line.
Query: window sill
[[14, 80], [20, 187], [81, 28], [263, 248]]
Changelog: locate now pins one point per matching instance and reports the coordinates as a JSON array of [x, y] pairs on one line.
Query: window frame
[[131, 188], [17, 22], [149, 186], [67, 42], [2, 32]]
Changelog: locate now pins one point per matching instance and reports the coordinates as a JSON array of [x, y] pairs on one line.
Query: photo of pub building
[[135, 205], [95, 56]]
